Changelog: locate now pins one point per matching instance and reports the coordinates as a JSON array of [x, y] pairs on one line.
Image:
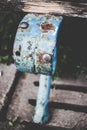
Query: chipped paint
[[41, 111], [46, 27], [33, 41], [35, 51]]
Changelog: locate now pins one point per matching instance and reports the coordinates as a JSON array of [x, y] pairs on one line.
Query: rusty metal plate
[[35, 48]]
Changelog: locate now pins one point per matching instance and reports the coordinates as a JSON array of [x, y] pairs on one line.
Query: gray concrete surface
[[68, 100], [20, 101], [7, 75]]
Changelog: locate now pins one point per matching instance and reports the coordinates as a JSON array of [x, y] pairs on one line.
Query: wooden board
[[20, 101], [7, 75], [74, 8], [66, 119], [67, 107]]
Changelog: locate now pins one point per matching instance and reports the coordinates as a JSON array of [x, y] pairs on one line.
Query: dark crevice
[[36, 83], [32, 102], [9, 95], [65, 106], [74, 1], [66, 87], [31, 125], [70, 88]]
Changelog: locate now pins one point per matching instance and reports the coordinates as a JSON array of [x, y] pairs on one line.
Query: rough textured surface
[[7, 75], [69, 97], [82, 123], [20, 102], [62, 7], [68, 108], [81, 81], [35, 48], [67, 119]]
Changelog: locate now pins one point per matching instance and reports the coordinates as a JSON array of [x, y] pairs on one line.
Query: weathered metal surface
[[7, 75], [35, 51], [35, 43], [41, 111]]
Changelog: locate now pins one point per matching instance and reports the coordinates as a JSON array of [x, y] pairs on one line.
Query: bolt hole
[[17, 53]]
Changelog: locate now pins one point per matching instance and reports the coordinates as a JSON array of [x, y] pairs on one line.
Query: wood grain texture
[[72, 8]]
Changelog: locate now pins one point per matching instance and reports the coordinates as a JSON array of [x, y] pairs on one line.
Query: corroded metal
[[35, 43], [41, 111], [35, 51]]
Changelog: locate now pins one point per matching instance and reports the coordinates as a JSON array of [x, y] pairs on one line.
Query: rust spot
[[20, 48], [41, 60], [28, 56], [23, 76], [18, 52], [47, 26], [29, 42]]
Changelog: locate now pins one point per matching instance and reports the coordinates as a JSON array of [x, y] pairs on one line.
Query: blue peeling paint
[[35, 51], [41, 111], [36, 36]]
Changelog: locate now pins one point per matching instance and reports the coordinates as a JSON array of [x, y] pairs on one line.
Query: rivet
[[24, 25], [46, 58]]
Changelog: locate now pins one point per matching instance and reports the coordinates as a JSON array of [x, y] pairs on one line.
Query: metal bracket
[[35, 51]]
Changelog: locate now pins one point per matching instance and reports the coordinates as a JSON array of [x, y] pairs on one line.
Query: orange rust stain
[[28, 56], [20, 48], [47, 26], [40, 58]]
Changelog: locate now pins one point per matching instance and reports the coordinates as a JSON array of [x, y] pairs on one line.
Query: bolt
[[24, 25], [46, 58]]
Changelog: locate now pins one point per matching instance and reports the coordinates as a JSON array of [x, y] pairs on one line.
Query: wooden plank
[[68, 119], [7, 75], [25, 90], [69, 97], [67, 107], [79, 1], [71, 82], [79, 85], [74, 9]]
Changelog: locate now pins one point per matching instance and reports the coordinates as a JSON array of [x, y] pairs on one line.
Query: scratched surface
[[35, 43]]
